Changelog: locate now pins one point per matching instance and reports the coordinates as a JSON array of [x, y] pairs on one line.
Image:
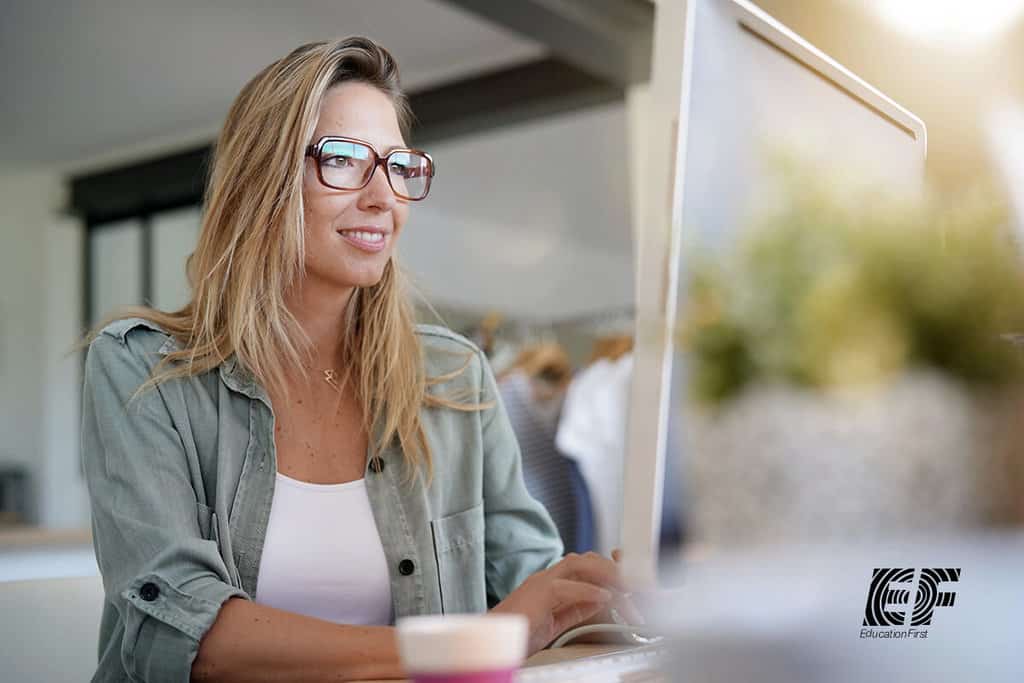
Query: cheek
[[321, 210], [312, 204], [399, 215]]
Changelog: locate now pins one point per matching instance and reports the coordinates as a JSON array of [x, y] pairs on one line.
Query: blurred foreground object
[[794, 614], [1006, 146], [850, 371]]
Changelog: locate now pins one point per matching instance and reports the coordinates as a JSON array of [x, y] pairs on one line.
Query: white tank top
[[322, 555]]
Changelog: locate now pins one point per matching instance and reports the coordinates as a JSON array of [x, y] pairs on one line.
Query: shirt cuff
[[164, 624]]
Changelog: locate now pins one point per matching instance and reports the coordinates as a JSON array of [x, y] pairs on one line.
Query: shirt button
[[149, 592], [406, 567], [377, 465]]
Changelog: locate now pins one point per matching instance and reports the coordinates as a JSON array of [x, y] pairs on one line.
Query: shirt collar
[[232, 373], [240, 379]]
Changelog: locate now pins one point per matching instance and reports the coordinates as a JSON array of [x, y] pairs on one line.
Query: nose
[[377, 194]]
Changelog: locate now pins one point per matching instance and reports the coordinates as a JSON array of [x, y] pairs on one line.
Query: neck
[[320, 310]]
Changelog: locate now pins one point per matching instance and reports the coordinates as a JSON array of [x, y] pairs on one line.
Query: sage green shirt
[[181, 481]]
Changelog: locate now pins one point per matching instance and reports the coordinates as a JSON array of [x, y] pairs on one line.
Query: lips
[[366, 238]]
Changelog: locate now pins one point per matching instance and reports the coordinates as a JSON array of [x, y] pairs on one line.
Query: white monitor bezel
[[658, 250]]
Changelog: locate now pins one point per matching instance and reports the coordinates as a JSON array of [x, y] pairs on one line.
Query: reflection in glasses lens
[[348, 165], [409, 174]]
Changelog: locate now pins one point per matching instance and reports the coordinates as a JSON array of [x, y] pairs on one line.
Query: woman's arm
[[251, 642], [164, 582]]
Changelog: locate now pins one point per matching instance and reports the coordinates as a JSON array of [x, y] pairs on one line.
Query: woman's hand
[[564, 596], [620, 610]]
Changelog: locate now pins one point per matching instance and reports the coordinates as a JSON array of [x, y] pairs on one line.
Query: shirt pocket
[[459, 551], [210, 530]]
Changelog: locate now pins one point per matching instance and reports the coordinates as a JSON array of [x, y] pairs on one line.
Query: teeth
[[364, 236]]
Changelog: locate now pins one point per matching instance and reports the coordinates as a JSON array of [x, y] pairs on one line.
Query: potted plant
[[851, 374]]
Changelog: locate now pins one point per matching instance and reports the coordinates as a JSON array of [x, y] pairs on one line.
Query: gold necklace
[[331, 377]]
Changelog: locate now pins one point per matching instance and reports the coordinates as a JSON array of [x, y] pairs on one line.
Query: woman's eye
[[400, 170], [337, 161]]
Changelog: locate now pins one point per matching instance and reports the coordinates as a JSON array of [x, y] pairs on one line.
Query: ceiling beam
[[150, 186], [609, 39], [502, 98]]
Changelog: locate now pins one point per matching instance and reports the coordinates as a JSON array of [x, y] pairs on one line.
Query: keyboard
[[637, 665]]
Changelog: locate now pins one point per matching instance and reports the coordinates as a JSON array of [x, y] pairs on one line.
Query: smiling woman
[[288, 463]]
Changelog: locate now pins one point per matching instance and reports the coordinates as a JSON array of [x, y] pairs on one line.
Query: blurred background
[[109, 110]]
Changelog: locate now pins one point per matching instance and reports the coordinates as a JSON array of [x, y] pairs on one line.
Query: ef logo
[[889, 595]]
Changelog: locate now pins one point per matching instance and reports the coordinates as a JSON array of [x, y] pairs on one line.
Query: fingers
[[566, 593], [573, 602], [568, 617], [627, 611], [592, 568], [624, 609]]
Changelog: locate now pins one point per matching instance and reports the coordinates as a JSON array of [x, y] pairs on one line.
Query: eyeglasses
[[349, 164]]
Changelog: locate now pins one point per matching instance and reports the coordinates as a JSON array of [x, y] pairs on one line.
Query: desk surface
[[24, 536], [563, 654]]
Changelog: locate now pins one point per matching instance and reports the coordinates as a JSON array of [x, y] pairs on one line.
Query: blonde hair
[[250, 253]]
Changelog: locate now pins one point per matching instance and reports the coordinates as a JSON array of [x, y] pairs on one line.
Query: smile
[[365, 240]]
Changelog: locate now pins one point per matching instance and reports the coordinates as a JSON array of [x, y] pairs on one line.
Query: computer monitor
[[728, 84]]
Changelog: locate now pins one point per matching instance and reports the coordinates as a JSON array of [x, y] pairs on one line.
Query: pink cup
[[463, 648]]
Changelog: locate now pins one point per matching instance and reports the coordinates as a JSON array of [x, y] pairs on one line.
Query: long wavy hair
[[250, 253]]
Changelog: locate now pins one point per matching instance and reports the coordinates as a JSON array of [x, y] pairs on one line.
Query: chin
[[345, 275], [364, 279], [364, 283]]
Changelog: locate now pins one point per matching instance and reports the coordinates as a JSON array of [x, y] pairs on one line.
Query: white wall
[[174, 237], [39, 318], [531, 220], [64, 502]]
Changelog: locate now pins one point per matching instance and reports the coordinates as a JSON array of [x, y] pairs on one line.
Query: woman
[[283, 467]]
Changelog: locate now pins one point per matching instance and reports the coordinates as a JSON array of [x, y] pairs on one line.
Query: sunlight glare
[[951, 20]]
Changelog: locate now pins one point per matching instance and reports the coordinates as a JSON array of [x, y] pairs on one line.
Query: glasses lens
[[410, 174], [345, 165]]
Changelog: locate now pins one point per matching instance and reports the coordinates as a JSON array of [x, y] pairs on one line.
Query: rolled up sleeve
[[520, 537], [164, 582]]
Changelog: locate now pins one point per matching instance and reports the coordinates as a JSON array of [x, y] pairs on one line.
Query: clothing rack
[[575, 333], [611, 321]]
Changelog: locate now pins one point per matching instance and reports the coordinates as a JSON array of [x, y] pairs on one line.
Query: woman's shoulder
[[445, 351], [132, 341], [145, 331], [439, 342]]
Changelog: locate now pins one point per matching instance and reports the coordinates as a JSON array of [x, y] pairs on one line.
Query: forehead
[[359, 110]]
